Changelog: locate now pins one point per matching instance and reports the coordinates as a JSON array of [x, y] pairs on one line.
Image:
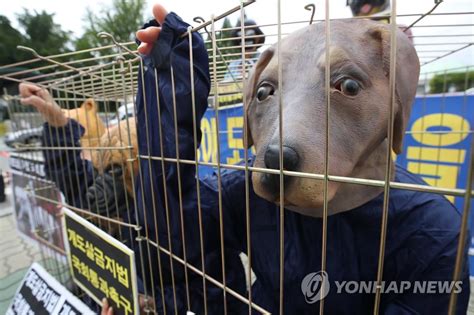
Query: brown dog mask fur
[[358, 124], [97, 135], [87, 116], [121, 136]]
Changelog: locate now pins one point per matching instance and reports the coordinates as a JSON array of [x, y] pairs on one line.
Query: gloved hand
[[107, 195]]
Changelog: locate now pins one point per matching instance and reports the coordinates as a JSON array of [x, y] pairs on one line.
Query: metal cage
[[109, 74]]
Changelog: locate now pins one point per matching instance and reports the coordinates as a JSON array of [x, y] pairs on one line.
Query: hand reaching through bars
[[149, 35], [106, 309], [40, 99], [145, 305]]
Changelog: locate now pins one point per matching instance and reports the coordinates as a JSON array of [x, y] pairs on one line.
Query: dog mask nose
[[272, 158]]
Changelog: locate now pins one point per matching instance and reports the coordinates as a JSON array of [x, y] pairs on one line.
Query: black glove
[[107, 194]]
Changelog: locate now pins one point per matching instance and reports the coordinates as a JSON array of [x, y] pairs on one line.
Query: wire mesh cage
[[153, 194]]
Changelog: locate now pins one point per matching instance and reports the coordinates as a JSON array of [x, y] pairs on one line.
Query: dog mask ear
[[406, 80], [89, 104], [251, 86]]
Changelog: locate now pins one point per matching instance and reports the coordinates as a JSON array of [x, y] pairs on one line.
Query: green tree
[[38, 31], [43, 34], [121, 19], [459, 81], [9, 39], [80, 45]]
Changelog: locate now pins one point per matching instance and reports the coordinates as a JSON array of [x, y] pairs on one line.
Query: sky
[[70, 15]]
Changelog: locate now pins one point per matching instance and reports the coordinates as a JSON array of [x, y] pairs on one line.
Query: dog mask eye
[[348, 87], [264, 91]]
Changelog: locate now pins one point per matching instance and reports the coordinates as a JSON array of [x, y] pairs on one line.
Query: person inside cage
[[204, 221]]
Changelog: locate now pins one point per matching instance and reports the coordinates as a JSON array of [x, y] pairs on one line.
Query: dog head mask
[[87, 116], [119, 138], [359, 58]]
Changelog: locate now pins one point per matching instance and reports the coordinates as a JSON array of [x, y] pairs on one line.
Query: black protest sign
[[101, 265], [40, 293]]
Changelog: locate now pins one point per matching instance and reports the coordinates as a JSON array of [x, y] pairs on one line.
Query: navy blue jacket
[[422, 235]]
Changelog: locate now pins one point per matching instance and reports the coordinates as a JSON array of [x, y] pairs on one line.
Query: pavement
[[17, 253]]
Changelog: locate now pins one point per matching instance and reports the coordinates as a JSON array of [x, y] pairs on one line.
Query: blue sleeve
[[63, 162], [431, 264], [439, 272], [164, 190]]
